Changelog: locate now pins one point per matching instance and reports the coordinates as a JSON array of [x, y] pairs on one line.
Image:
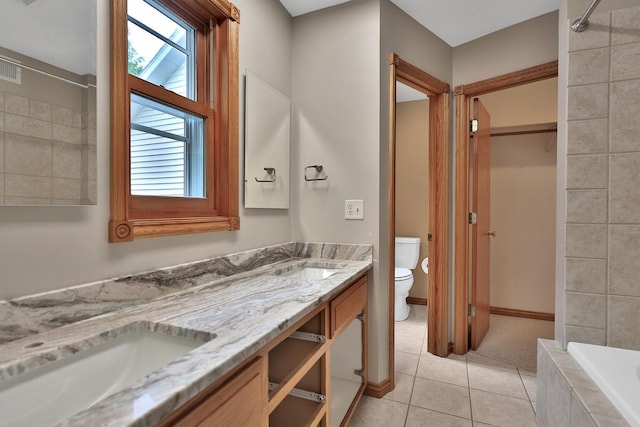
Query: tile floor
[[469, 390]]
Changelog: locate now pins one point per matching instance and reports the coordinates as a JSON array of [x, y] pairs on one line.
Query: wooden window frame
[[134, 217]]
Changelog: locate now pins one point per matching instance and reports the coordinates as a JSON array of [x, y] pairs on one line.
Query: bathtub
[[616, 371]]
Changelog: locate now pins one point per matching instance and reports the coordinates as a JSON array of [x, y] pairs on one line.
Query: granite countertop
[[235, 304]]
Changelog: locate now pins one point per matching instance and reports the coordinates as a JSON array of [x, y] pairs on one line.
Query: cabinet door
[[348, 351], [346, 306], [240, 402]]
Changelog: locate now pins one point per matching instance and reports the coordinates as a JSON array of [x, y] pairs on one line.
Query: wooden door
[[480, 288]]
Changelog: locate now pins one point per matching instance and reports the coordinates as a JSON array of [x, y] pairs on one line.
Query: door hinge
[[472, 310], [429, 237], [359, 372], [361, 317], [473, 125], [473, 218]]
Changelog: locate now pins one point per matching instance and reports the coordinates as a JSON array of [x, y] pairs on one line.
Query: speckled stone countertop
[[235, 304]]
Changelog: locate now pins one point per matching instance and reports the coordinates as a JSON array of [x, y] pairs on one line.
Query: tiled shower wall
[[603, 182], [47, 152]]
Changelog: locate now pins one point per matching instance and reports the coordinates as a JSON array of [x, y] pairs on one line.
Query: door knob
[[491, 233]]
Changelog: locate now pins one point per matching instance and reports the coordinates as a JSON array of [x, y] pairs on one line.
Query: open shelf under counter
[[296, 411]]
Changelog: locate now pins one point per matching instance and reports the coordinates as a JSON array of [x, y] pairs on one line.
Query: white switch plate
[[354, 209]]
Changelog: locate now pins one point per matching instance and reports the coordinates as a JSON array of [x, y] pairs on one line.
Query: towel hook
[[318, 169], [271, 172]]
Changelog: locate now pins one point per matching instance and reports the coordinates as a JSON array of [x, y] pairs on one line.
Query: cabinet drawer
[[240, 402], [346, 306]]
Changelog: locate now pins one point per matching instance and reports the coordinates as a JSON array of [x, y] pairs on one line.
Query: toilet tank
[[407, 252]]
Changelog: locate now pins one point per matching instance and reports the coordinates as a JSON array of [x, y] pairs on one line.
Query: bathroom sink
[[51, 393], [310, 273]]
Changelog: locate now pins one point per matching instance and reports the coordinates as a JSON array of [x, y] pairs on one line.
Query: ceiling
[[454, 21]]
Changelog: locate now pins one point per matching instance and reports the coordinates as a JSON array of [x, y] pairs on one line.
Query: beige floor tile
[[420, 417], [476, 359], [406, 363], [404, 386], [496, 381], [443, 369], [499, 410], [442, 397], [418, 312], [411, 329], [412, 345], [372, 412], [530, 385]]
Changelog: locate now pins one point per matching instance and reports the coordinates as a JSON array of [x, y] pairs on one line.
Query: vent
[[9, 71]]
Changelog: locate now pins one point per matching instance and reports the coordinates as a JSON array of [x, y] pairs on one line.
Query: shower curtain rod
[[579, 25], [36, 70]]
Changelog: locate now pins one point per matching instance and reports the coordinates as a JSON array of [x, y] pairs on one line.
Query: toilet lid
[[402, 273]]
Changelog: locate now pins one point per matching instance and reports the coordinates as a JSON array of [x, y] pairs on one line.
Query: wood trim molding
[[461, 224], [438, 281], [516, 78], [513, 312], [378, 390], [461, 261], [392, 222], [417, 301], [418, 79]]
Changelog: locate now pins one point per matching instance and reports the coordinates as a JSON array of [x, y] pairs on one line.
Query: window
[[174, 117]]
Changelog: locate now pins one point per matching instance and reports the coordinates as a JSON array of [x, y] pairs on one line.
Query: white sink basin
[[310, 273], [48, 395]]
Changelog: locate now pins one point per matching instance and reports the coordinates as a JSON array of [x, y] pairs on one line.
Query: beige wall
[[401, 34], [44, 248], [524, 45], [575, 8], [340, 119], [600, 290], [523, 180], [531, 104], [334, 122], [412, 182]]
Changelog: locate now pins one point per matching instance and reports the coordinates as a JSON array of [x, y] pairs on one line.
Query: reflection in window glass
[[161, 47], [166, 150]]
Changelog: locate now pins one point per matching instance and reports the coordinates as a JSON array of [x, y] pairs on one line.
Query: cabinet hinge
[[473, 218], [472, 310], [359, 372], [473, 125], [360, 317]]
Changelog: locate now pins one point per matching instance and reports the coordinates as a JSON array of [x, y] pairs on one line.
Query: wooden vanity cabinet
[[313, 374], [239, 402]]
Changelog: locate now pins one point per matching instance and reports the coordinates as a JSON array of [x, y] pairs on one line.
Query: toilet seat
[[402, 274]]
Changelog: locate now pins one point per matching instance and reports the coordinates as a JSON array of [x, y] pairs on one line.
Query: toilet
[[407, 254]]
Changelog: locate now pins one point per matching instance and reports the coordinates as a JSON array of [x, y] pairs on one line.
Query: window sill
[[126, 231]]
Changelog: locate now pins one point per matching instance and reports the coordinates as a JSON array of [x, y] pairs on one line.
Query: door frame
[[463, 95], [438, 279]]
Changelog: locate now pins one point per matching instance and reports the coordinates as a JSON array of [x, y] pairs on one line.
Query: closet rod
[[524, 132], [579, 25]]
